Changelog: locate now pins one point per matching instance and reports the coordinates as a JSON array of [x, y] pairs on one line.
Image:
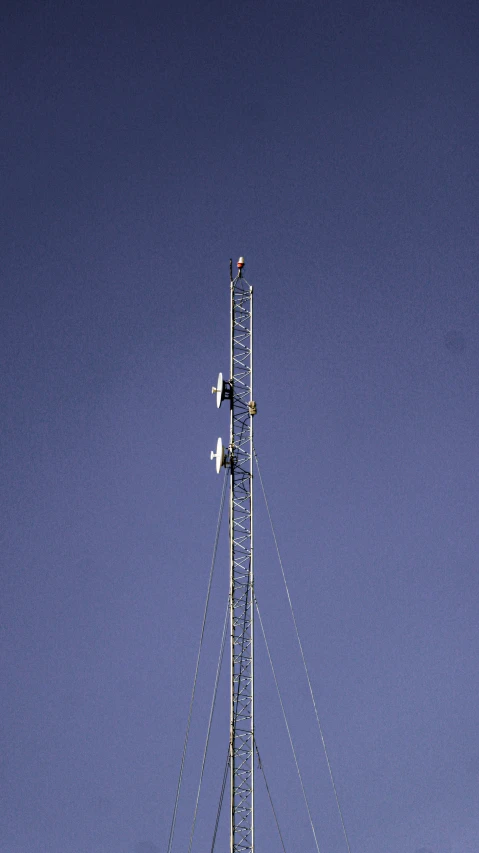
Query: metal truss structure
[[241, 578], [239, 460]]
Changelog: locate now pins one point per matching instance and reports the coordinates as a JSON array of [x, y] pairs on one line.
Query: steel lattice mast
[[239, 460]]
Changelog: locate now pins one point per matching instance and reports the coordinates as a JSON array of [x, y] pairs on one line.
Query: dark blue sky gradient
[[335, 146]]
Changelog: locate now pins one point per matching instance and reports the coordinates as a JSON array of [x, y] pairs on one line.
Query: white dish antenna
[[219, 455], [220, 390]]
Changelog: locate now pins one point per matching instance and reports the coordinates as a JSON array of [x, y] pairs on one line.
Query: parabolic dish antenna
[[219, 455], [220, 390]]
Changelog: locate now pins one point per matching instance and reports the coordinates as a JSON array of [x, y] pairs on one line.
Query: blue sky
[[335, 146]]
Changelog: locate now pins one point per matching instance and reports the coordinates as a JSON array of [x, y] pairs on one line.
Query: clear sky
[[334, 144]]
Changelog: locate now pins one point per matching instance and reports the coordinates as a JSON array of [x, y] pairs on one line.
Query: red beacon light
[[240, 263]]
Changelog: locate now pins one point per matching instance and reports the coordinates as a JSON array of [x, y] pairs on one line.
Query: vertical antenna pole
[[242, 410]]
